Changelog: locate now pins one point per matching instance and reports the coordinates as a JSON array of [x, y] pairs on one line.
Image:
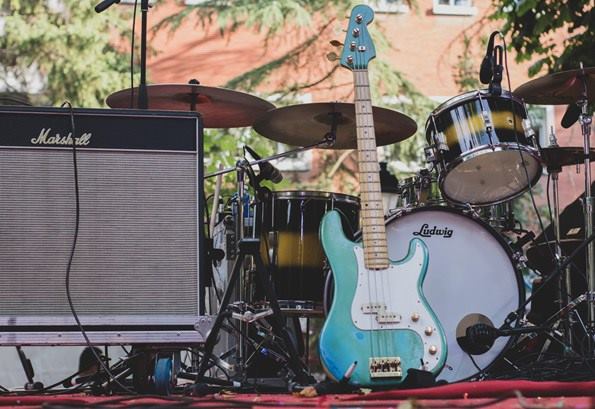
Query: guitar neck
[[372, 212]]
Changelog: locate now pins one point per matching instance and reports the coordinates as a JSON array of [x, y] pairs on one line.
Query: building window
[[542, 122], [454, 7], [388, 6]]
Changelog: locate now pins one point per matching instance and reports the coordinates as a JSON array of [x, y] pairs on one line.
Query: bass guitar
[[379, 324]]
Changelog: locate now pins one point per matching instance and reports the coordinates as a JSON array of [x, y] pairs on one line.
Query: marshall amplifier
[[135, 275]]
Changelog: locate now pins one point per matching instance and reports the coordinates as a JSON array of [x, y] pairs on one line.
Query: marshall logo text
[[425, 231], [44, 138]]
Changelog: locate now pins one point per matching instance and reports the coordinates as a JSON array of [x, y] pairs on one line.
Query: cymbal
[[307, 124], [559, 156], [219, 107], [564, 87]]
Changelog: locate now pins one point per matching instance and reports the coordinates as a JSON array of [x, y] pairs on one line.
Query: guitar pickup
[[385, 367], [388, 318], [373, 308]]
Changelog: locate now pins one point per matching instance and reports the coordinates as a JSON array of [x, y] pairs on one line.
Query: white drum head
[[489, 177], [469, 272]]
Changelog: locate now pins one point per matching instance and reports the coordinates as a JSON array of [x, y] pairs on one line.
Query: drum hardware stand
[[585, 122], [251, 247], [248, 249], [564, 281], [514, 316]]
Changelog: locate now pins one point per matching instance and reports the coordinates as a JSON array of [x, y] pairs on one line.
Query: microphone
[[267, 171], [105, 4], [486, 71], [570, 116], [479, 338]]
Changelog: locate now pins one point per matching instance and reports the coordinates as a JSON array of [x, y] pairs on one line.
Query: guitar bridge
[[385, 367]]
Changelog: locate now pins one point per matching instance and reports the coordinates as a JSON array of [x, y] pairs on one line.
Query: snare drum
[[481, 150], [290, 224]]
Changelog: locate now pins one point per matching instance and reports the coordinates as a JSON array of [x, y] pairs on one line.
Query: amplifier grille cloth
[[137, 244]]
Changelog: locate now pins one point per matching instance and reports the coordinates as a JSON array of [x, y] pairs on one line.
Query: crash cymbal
[[564, 87], [219, 107], [559, 156], [307, 124]]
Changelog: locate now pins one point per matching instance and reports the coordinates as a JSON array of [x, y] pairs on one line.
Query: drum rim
[[475, 153], [313, 194], [471, 95]]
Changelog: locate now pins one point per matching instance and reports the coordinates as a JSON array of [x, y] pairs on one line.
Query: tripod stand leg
[[221, 315], [264, 275]]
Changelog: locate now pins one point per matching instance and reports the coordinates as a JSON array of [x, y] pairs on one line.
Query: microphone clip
[[495, 86]]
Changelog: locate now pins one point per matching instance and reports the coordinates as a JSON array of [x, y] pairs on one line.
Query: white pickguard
[[397, 289]]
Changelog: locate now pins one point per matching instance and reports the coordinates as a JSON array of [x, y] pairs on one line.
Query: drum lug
[[441, 144], [520, 260], [487, 121], [430, 155]]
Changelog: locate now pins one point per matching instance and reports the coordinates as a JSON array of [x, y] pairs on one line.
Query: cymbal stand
[[564, 279], [585, 122], [564, 282]]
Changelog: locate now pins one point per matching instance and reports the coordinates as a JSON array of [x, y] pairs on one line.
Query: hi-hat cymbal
[[559, 156], [307, 124], [564, 87], [219, 107]]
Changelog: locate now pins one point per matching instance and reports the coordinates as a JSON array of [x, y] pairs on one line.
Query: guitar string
[[364, 112], [379, 275], [374, 341]]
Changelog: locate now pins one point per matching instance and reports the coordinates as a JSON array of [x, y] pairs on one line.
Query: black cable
[[132, 56], [73, 250]]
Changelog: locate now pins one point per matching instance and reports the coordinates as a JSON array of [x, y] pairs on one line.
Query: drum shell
[[480, 148], [291, 244], [467, 109]]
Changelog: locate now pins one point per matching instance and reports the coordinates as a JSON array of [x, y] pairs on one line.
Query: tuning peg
[[332, 56], [336, 43]]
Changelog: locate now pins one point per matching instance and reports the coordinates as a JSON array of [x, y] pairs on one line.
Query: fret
[[372, 212]]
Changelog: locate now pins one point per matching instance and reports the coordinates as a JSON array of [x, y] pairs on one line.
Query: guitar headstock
[[358, 48]]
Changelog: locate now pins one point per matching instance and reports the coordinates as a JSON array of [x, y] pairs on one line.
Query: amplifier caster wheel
[[165, 376]]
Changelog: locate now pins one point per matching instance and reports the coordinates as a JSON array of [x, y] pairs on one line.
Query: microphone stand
[[143, 102], [323, 143]]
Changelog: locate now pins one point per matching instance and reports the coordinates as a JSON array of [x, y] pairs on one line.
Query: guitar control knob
[[429, 331], [415, 317], [433, 349]]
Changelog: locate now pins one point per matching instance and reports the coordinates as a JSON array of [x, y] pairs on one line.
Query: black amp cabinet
[[135, 275]]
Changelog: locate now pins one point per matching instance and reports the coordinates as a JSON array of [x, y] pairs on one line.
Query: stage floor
[[488, 394]]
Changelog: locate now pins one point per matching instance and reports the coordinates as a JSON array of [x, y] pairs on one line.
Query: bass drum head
[[471, 278]]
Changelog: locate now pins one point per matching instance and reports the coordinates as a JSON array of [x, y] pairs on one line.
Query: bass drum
[[471, 278]]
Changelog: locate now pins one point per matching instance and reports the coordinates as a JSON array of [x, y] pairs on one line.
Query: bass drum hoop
[[328, 285]]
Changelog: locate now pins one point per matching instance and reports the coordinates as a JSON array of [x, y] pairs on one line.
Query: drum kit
[[482, 153]]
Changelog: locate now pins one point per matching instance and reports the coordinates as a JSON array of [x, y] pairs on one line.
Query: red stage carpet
[[492, 394]]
